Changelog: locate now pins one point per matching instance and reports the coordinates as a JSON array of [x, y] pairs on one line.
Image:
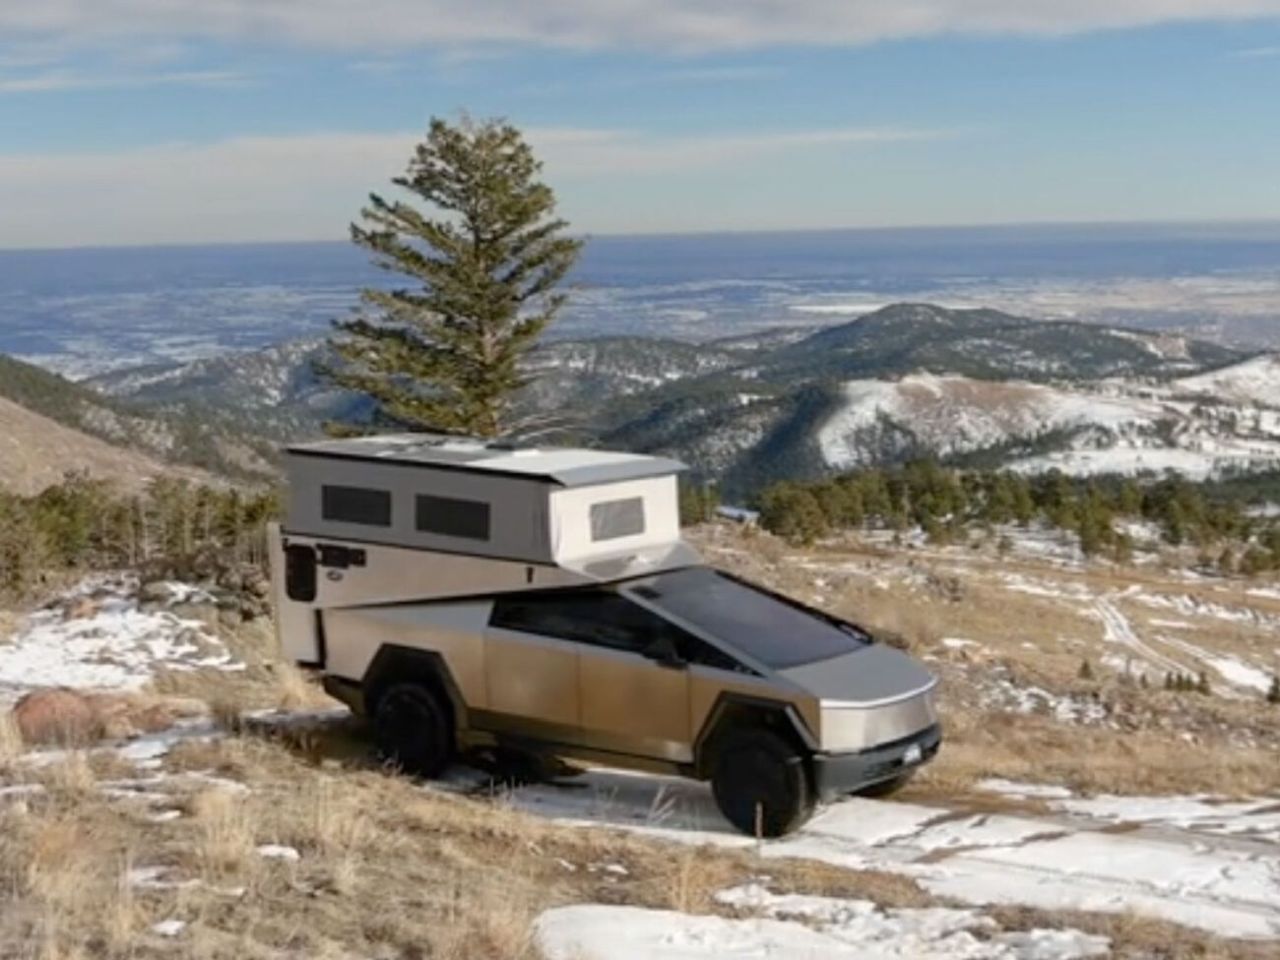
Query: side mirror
[[663, 652]]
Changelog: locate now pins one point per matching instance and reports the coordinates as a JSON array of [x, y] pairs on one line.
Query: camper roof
[[565, 466]]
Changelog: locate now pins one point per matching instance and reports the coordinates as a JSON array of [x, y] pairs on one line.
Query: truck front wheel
[[761, 783], [413, 729]]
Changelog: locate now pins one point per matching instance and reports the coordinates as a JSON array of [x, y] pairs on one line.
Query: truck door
[[632, 691], [531, 673]]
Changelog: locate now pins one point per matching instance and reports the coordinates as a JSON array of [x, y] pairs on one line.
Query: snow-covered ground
[[1228, 884], [797, 928], [98, 636]]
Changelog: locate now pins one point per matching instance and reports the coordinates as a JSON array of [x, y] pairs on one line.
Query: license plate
[[913, 755]]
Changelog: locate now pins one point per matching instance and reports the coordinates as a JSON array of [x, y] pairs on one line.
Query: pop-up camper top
[[494, 518]]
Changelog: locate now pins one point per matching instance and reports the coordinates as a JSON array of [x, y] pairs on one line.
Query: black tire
[[761, 783], [886, 788], [413, 729]]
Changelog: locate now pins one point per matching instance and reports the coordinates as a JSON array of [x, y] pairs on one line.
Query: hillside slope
[[193, 438], [988, 344], [36, 452]]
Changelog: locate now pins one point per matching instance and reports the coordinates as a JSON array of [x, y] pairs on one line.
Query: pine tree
[[1086, 670], [1273, 695], [1202, 684], [486, 258]]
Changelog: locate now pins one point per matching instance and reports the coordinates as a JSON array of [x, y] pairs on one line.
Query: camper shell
[[494, 517], [469, 595]]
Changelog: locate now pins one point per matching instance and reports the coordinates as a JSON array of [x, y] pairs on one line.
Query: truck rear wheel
[[761, 783], [413, 729]]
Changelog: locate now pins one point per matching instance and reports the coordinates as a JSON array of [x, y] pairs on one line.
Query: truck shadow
[[634, 801]]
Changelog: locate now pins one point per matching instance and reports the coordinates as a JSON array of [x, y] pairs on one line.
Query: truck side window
[[601, 618]]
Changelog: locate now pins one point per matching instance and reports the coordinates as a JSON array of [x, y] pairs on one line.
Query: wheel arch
[[394, 664], [735, 711]]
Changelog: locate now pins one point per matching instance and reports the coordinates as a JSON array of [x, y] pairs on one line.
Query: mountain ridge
[[750, 409]]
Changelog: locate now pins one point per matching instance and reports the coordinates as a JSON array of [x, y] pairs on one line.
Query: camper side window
[[451, 517], [372, 508], [611, 519]]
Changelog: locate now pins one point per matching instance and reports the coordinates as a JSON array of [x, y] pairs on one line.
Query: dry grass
[[1086, 760], [71, 779], [224, 846], [11, 745], [296, 690], [387, 869]]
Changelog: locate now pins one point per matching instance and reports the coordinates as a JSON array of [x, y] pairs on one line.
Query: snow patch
[[274, 851], [115, 645], [169, 928], [799, 927]]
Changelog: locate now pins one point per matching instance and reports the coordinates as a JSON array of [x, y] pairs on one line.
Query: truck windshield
[[773, 630]]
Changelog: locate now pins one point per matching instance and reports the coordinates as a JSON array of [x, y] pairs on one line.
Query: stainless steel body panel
[[632, 705], [708, 686], [454, 630], [848, 728], [862, 677], [534, 678]]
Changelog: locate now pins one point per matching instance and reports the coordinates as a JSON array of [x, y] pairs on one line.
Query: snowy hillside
[[1254, 381], [1116, 427]]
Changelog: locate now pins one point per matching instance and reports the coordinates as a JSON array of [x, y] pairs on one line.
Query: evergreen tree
[[698, 503], [793, 512], [1273, 694], [485, 259]]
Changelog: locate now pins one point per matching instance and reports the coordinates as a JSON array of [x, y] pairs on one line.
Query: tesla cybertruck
[[469, 596]]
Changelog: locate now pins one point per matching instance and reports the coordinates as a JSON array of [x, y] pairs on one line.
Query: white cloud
[[1255, 53], [303, 187], [51, 81], [726, 74], [665, 24]]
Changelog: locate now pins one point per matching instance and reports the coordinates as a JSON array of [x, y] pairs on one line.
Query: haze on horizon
[[129, 123]]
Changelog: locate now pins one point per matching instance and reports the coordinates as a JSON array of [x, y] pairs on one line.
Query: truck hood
[[867, 677]]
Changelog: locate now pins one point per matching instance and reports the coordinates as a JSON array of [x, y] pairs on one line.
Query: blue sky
[[145, 121]]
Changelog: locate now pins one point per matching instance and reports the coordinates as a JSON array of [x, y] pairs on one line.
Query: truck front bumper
[[836, 774]]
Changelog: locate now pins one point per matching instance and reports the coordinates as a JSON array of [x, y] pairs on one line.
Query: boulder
[[57, 716], [64, 717]]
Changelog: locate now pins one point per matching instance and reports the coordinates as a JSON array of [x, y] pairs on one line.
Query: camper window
[[372, 508], [611, 519], [452, 518]]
